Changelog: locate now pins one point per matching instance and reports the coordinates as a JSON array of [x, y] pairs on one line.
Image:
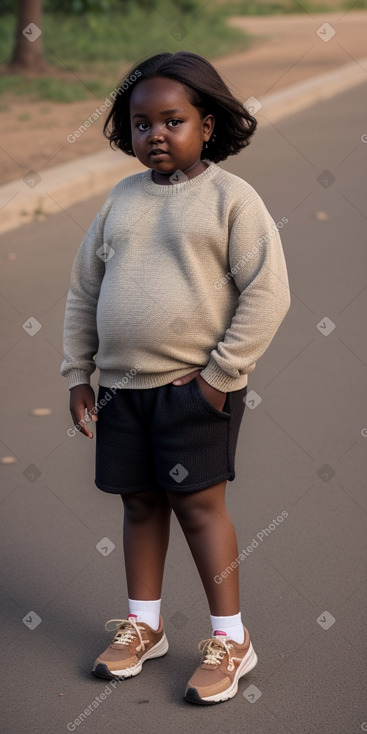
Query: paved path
[[292, 48], [301, 451]]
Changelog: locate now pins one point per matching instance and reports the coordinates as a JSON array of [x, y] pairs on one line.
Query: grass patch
[[83, 42], [49, 88]]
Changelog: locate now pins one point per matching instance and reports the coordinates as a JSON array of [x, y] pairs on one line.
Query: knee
[[139, 508], [192, 515]]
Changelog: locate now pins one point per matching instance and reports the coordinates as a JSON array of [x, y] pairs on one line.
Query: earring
[[211, 140]]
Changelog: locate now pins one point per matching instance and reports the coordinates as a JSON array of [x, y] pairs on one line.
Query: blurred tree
[[28, 52]]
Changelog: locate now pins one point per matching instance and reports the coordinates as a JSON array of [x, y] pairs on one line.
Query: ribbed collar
[[164, 190]]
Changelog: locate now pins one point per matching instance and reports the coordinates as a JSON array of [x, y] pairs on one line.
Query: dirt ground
[[287, 50]]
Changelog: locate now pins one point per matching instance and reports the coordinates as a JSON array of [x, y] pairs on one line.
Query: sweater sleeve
[[80, 341], [259, 271]]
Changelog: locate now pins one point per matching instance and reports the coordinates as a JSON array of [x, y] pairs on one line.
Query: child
[[177, 290]]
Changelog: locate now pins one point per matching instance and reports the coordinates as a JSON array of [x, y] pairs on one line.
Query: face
[[167, 131]]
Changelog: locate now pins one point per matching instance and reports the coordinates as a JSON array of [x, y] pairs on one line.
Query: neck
[[167, 175], [193, 165]]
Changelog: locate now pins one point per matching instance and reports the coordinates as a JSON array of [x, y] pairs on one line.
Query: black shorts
[[169, 436]]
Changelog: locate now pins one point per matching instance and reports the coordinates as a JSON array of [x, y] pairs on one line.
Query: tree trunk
[[28, 52]]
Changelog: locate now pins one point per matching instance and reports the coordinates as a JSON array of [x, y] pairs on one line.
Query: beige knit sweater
[[170, 279]]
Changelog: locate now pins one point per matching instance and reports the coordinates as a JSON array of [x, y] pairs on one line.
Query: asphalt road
[[301, 451]]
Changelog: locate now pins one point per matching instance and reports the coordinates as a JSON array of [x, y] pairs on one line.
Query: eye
[[140, 124], [174, 122]]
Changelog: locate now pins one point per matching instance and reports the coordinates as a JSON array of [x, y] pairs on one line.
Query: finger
[[186, 378], [91, 410], [84, 429], [80, 423]]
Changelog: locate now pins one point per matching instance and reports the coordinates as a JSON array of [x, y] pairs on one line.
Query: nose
[[156, 134]]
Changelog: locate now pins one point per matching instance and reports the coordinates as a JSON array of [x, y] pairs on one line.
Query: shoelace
[[214, 650], [127, 630]]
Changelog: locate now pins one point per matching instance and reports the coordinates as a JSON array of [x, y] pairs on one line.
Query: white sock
[[232, 626], [146, 611]]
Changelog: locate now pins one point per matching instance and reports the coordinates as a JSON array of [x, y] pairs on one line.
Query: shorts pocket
[[200, 398]]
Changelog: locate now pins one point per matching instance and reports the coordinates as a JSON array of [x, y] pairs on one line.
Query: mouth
[[158, 153]]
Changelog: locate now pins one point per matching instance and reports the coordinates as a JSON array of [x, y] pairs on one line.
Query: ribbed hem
[[121, 380], [212, 374], [165, 190]]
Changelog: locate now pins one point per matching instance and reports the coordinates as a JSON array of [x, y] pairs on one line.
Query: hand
[[215, 397], [82, 399]]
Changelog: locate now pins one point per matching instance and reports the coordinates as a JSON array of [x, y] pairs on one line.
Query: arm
[[80, 332], [259, 271]]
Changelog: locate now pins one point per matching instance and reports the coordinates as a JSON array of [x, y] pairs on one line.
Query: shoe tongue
[[220, 633], [133, 617]]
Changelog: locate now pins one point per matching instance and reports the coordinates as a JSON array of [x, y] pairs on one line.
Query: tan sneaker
[[224, 662], [133, 643]]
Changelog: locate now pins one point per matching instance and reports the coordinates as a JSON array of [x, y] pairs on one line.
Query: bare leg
[[146, 535], [212, 540]]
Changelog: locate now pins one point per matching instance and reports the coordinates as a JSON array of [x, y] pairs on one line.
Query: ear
[[208, 124]]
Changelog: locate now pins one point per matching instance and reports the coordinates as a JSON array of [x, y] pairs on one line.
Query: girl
[[177, 290]]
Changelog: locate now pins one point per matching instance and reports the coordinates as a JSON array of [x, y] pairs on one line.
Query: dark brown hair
[[206, 90]]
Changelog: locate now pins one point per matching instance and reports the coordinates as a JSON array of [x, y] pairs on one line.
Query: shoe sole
[[102, 671], [248, 663]]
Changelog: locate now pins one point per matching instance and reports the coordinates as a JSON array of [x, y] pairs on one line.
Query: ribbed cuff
[[77, 377], [215, 377]]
